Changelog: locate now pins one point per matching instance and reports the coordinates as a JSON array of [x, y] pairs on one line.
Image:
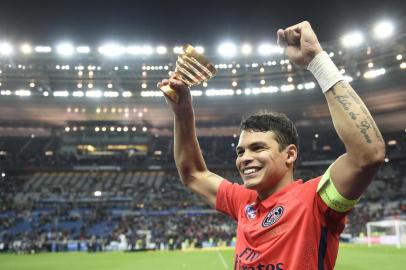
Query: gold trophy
[[192, 69]]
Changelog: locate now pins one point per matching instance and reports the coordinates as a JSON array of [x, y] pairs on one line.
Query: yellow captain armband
[[330, 195]]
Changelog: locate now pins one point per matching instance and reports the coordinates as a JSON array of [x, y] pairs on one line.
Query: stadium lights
[[196, 93], [83, 49], [161, 50], [111, 50], [353, 39], [178, 50], [78, 94], [256, 91], [374, 73], [43, 49], [127, 94], [383, 30], [26, 48], [134, 50], [112, 94], [65, 49], [23, 93], [152, 94], [93, 93], [199, 49], [287, 87], [403, 65], [269, 89], [227, 49], [6, 48], [219, 92], [62, 93], [268, 49], [5, 92], [147, 50], [246, 49]]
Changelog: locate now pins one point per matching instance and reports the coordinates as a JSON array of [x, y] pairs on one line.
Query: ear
[[291, 152]]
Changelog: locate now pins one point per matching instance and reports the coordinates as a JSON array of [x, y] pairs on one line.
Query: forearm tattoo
[[366, 123]]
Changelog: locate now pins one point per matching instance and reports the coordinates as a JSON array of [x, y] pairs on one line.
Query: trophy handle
[[170, 93]]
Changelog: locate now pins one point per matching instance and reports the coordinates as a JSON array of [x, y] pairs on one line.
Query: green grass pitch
[[351, 257]]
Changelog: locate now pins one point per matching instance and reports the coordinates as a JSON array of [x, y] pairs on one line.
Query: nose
[[246, 159]]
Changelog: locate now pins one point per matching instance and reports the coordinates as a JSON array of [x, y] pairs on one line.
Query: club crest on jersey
[[273, 216], [250, 211]]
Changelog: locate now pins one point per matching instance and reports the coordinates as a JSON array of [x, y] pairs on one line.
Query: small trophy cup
[[192, 69]]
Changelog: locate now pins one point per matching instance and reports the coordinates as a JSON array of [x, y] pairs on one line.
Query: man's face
[[259, 161]]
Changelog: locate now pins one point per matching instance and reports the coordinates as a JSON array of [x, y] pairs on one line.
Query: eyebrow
[[238, 148]]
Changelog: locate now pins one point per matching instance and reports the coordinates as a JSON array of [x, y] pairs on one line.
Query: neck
[[284, 182]]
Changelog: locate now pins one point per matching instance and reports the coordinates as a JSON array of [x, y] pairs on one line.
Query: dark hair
[[264, 121]]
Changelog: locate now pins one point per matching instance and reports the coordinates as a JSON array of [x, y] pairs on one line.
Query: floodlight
[[246, 49], [65, 49], [352, 39], [147, 50], [227, 49], [23, 93], [26, 49], [83, 49], [161, 50], [127, 94], [93, 93], [199, 49], [374, 73], [43, 49], [6, 48], [383, 29], [62, 93], [111, 94], [178, 50], [134, 50], [111, 49], [78, 94]]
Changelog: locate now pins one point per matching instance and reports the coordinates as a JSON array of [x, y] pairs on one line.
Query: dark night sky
[[177, 22]]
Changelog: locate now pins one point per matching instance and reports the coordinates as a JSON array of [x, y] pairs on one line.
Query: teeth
[[251, 170]]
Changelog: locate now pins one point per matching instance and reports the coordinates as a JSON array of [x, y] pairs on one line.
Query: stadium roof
[[206, 22]]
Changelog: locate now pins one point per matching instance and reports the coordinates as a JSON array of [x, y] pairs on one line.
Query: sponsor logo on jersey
[[273, 216], [250, 211]]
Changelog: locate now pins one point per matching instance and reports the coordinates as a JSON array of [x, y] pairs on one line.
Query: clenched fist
[[300, 43], [182, 90]]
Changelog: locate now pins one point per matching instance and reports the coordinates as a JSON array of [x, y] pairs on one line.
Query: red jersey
[[291, 229]]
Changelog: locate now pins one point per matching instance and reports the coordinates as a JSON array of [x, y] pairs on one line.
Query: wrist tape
[[325, 71]]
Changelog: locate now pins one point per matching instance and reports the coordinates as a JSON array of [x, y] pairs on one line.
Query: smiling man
[[283, 223]]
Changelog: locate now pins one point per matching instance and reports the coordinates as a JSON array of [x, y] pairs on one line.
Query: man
[[282, 223]]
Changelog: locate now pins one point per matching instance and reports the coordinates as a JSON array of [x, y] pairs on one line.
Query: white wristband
[[325, 71]]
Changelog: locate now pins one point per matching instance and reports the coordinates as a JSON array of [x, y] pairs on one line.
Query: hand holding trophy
[[192, 69]]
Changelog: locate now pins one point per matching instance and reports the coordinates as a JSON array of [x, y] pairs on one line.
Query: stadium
[[87, 173]]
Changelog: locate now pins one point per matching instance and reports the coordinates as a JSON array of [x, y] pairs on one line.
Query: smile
[[251, 170]]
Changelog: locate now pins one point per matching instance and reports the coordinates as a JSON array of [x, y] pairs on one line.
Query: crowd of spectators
[[152, 209]]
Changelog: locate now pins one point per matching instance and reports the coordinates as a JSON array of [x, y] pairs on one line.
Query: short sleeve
[[326, 215], [230, 197]]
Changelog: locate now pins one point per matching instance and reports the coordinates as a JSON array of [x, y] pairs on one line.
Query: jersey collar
[[270, 201]]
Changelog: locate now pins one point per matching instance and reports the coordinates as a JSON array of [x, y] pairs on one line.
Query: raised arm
[[188, 156], [365, 148]]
